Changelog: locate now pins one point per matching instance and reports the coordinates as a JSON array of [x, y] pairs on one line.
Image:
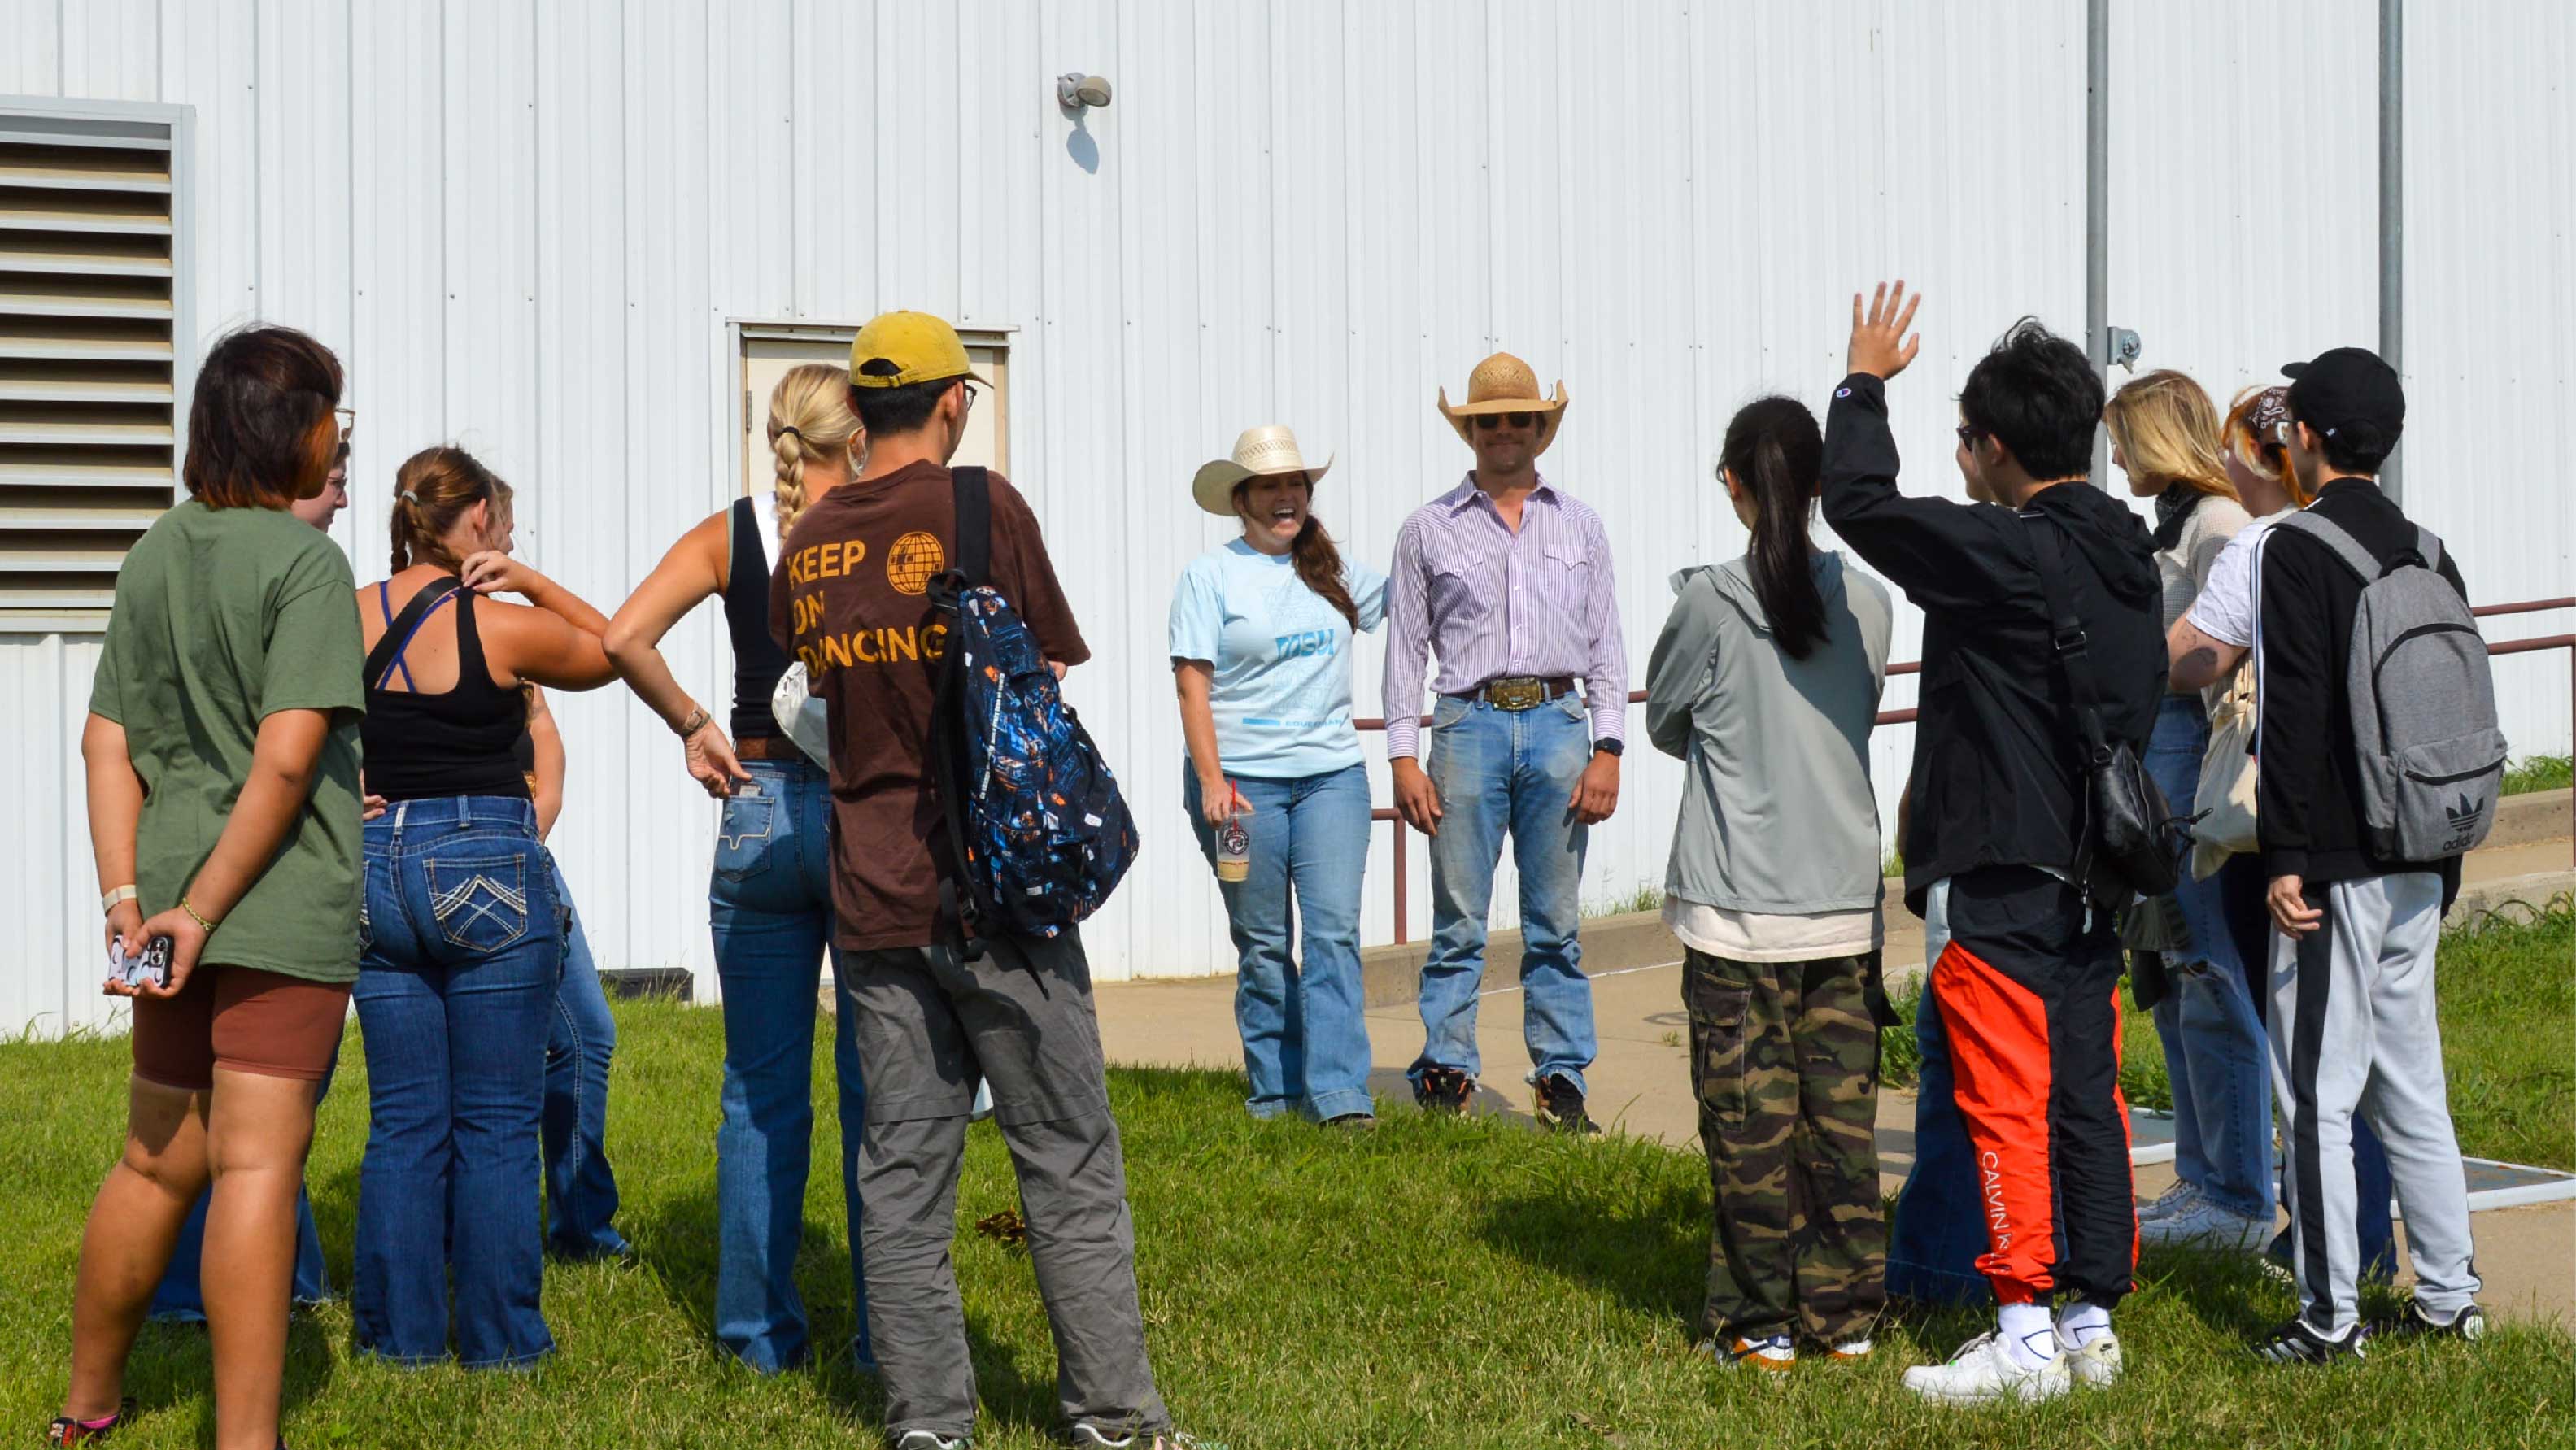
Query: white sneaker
[[2094, 1364], [2170, 1202], [2205, 1225], [930, 1440], [1777, 1353], [1984, 1372]]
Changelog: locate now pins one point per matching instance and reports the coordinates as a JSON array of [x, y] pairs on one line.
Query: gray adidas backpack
[[2423, 701]]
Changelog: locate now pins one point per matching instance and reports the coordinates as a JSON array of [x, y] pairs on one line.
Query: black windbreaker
[[1996, 750]]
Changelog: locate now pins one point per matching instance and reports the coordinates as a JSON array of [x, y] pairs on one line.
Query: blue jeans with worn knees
[[1940, 1224], [1513, 771], [581, 1189], [771, 906], [181, 1299], [460, 956], [2216, 1054], [1305, 1030]]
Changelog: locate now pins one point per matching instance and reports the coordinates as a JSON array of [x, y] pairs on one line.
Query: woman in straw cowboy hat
[[1261, 631]]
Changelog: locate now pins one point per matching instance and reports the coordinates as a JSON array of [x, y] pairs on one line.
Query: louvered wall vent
[[93, 328]]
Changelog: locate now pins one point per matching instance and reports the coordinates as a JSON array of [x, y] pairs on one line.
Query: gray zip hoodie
[[1777, 815]]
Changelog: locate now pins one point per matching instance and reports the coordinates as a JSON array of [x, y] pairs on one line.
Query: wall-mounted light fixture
[[1076, 92]]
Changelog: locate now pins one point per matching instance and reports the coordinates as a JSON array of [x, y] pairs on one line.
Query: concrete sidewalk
[[1641, 1085]]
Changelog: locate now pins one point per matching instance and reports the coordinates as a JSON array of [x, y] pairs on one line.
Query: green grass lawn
[[1436, 1284], [2537, 772]]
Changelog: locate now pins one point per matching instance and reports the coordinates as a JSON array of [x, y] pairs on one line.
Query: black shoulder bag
[[2125, 844]]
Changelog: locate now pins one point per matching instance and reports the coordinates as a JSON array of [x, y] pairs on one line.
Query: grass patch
[[2507, 987], [1437, 1283], [2538, 772], [1646, 897]]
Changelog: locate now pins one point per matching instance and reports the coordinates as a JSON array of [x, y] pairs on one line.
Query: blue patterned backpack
[[1038, 833]]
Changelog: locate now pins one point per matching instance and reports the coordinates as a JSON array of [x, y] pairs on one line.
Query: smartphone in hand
[[149, 967]]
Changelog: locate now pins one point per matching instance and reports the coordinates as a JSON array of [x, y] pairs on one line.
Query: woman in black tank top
[[770, 899], [461, 942]]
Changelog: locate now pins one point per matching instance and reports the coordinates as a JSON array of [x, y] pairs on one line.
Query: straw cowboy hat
[[1504, 384], [1264, 452]]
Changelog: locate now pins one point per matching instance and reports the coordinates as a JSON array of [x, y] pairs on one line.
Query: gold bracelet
[[203, 925]]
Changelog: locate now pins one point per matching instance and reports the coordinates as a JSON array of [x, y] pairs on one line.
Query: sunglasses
[[1969, 433], [1491, 421]]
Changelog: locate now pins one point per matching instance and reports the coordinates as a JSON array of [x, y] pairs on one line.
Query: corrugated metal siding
[[525, 226]]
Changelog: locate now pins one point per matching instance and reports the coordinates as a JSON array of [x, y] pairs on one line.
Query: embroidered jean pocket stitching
[[743, 835], [480, 904]]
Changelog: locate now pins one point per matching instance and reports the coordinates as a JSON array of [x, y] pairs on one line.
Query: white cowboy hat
[[1504, 384], [1263, 452]]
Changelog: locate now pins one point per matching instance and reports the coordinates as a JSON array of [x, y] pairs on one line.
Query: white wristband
[[111, 900]]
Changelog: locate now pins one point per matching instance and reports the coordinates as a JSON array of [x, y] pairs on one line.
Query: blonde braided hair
[[809, 422]]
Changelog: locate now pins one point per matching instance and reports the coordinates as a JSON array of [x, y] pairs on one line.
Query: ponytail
[[1317, 560], [432, 490], [1775, 450]]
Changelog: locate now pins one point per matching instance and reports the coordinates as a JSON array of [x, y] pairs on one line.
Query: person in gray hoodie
[[1766, 681]]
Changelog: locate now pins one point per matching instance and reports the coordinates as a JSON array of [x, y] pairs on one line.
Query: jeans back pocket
[[742, 836], [480, 902]]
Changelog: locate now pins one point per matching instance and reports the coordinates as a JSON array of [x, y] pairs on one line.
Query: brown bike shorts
[[240, 1018]]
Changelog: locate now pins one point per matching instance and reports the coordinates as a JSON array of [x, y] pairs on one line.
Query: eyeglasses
[[348, 421], [971, 393], [1491, 421], [1969, 433]]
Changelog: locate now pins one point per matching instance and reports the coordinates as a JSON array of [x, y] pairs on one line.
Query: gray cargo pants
[[928, 1024], [2353, 1030]]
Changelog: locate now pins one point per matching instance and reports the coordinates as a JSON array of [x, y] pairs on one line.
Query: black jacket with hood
[[1996, 753]]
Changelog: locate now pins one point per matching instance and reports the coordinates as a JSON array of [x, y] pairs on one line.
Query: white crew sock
[[2084, 1321], [2029, 1334]]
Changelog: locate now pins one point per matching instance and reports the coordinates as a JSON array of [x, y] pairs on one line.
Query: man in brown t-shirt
[[851, 599]]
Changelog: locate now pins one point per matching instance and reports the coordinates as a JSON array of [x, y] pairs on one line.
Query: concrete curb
[[1392, 975]]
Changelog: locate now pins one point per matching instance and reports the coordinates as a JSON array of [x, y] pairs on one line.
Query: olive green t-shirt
[[223, 617]]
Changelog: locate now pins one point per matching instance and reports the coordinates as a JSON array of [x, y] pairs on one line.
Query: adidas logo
[[2464, 816]]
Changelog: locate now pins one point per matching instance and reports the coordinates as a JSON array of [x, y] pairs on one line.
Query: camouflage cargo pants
[[1786, 1057]]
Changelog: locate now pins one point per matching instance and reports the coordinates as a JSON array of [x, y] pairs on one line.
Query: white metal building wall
[[525, 225]]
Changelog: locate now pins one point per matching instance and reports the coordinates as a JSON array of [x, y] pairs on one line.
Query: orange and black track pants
[[2028, 997]]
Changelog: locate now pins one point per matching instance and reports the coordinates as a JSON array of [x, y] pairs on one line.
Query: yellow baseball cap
[[899, 348]]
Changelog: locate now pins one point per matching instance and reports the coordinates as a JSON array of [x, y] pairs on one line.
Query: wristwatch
[[1612, 746]]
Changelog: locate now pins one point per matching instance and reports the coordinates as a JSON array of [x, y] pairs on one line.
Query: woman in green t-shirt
[[222, 755]]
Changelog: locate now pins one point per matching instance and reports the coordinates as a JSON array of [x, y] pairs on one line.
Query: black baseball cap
[[2347, 385]]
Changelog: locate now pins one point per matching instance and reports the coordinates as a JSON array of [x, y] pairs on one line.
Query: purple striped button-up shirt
[[1492, 604]]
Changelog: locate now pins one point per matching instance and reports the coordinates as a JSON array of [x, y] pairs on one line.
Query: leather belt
[[1524, 692], [766, 747]]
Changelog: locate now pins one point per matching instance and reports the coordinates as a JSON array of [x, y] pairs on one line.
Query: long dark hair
[[1317, 561], [1774, 448]]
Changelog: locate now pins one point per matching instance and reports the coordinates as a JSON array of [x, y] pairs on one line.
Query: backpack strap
[[2066, 636], [2338, 541], [2429, 544], [974, 524], [387, 656], [961, 894]]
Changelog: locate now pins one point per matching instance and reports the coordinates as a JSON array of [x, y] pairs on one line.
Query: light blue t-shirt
[[1282, 692]]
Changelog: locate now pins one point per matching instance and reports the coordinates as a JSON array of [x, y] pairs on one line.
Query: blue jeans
[[2216, 1054], [1940, 1223], [1305, 1035], [460, 954], [581, 1190], [771, 904], [180, 1300], [1497, 771]]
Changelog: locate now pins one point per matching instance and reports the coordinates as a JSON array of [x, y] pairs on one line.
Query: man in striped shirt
[[1505, 580]]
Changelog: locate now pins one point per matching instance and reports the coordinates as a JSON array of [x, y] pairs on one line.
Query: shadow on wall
[[1084, 150]]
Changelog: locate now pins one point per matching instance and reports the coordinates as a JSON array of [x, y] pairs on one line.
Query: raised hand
[[1880, 344], [492, 572]]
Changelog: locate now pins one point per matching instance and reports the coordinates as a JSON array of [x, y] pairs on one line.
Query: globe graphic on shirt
[[913, 562]]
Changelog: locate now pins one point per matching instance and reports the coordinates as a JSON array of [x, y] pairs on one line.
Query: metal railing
[[2566, 642]]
